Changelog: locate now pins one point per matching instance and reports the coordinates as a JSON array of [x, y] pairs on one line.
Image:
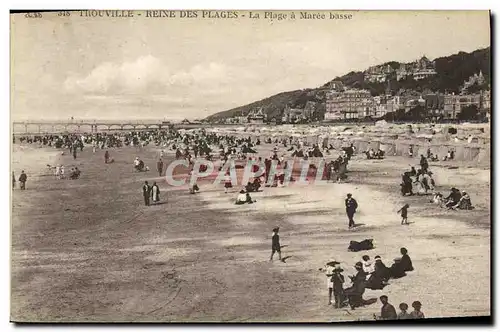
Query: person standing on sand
[[155, 193], [22, 180], [159, 167], [106, 157], [404, 214], [350, 207], [13, 181], [146, 192], [275, 244]]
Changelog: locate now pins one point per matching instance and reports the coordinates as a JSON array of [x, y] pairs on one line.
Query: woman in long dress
[[155, 193]]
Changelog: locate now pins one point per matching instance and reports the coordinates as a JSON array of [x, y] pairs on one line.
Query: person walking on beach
[[13, 181], [159, 167], [146, 192], [404, 214], [22, 180], [74, 150], [275, 244], [94, 145], [350, 207]]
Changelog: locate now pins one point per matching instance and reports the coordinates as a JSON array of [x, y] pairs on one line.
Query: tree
[[469, 112]]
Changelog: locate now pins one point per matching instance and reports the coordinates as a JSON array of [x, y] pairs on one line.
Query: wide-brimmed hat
[[332, 263]]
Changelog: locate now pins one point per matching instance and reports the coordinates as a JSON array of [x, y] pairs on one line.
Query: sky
[[176, 68]]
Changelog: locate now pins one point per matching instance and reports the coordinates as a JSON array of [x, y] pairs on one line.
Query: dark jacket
[[406, 263], [351, 205], [276, 242], [146, 189]]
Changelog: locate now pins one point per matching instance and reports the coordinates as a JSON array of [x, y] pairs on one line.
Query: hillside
[[451, 70]]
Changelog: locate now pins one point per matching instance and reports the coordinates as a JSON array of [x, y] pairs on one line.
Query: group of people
[[372, 154], [388, 312], [22, 180], [456, 200], [417, 182], [371, 275], [150, 193]]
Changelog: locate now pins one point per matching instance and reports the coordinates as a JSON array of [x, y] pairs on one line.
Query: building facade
[[348, 105]]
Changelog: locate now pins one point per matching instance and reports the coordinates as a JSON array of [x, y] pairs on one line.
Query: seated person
[[438, 199], [194, 189], [380, 154], [397, 269], [75, 174], [453, 198], [406, 263], [242, 198], [464, 203]]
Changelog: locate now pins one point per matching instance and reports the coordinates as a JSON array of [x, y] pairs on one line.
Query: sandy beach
[[88, 250]]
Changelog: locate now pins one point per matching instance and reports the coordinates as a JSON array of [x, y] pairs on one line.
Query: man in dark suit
[[350, 207], [146, 192]]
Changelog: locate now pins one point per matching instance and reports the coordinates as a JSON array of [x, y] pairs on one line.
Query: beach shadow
[[283, 246], [408, 223], [160, 203], [358, 225], [285, 258]]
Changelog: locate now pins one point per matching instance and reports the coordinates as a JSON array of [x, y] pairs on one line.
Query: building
[[453, 104], [434, 105], [424, 73], [419, 69], [476, 79], [336, 86], [486, 100], [256, 116], [349, 104], [293, 115]]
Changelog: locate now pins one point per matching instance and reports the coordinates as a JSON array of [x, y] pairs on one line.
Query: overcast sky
[[102, 68]]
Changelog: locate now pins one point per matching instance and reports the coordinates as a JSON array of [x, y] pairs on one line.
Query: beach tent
[[388, 147]]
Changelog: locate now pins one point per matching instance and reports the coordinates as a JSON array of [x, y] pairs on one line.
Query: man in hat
[[275, 244], [387, 312], [338, 288], [146, 192], [356, 291], [350, 207]]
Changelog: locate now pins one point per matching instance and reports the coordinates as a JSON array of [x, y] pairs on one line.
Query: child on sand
[[416, 313], [404, 214], [404, 311], [275, 244]]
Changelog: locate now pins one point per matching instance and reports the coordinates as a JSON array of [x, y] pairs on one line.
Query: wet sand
[[89, 250]]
